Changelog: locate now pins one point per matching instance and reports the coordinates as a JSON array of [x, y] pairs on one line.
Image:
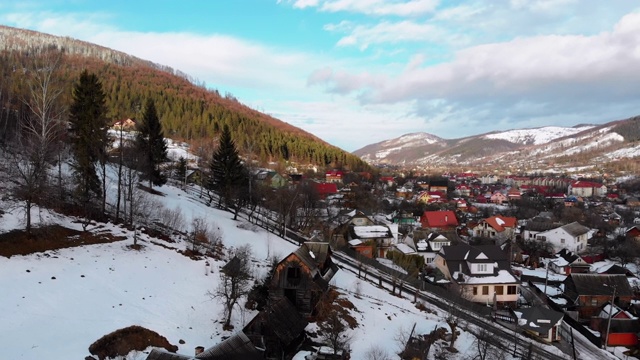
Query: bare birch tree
[[39, 133]]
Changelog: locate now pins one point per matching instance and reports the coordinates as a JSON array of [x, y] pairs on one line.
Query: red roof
[[501, 222], [439, 219], [326, 188], [334, 173], [585, 184]]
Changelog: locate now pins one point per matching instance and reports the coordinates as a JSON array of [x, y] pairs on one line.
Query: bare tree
[[40, 132], [486, 346], [376, 352], [235, 281], [453, 319], [333, 331]]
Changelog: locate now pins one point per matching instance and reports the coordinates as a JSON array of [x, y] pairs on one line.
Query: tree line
[[186, 111]]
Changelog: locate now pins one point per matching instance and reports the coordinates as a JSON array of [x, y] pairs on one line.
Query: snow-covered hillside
[[537, 136], [55, 304]]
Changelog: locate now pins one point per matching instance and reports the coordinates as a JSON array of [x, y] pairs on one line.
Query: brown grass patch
[[332, 302], [53, 237], [123, 341]]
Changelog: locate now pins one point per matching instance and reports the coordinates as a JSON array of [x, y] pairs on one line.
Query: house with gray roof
[[236, 347], [303, 276], [481, 274], [572, 237], [540, 322], [588, 292]]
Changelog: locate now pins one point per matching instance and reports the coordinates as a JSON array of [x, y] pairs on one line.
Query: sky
[[356, 72]]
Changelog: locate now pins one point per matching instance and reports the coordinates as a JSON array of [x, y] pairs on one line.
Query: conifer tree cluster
[[228, 175], [151, 146], [88, 136]]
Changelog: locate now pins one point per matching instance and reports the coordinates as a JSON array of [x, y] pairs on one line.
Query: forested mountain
[[187, 110]]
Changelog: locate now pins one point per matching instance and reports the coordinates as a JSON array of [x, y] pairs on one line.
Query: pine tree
[[227, 173], [88, 127], [181, 170], [151, 146]]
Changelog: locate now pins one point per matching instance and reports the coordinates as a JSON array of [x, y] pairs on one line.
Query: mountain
[[537, 149], [188, 110]]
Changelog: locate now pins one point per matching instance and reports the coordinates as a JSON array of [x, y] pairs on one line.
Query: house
[[404, 218], [126, 125], [429, 247], [497, 227], [572, 237], [278, 329], [236, 347], [498, 198], [463, 190], [513, 194], [379, 237], [633, 233], [303, 276], [325, 189], [443, 220], [430, 197], [271, 178], [481, 274], [544, 324], [567, 263], [587, 189], [617, 326], [441, 186], [334, 176], [588, 292], [535, 226]]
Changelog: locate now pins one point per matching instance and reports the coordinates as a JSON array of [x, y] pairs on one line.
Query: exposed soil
[[125, 340], [53, 237]]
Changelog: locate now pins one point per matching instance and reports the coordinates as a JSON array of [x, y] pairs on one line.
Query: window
[[482, 267], [594, 302], [511, 289], [475, 290], [499, 290], [561, 241], [485, 290], [293, 276]]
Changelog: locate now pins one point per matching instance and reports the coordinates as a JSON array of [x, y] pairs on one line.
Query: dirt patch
[[123, 341], [331, 302], [53, 237]]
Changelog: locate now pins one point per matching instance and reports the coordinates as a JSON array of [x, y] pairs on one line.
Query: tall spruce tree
[[88, 127], [227, 173], [151, 146]]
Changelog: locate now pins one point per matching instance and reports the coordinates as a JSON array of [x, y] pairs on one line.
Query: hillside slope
[[188, 111], [538, 149]]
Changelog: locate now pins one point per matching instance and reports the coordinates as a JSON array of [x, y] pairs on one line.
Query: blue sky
[[356, 72]]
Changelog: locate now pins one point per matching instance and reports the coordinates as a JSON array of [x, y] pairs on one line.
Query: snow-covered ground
[[55, 304]]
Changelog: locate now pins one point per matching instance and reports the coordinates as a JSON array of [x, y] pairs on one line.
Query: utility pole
[[613, 298]]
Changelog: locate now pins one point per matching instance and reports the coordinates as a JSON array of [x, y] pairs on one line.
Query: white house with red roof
[[442, 220], [496, 227], [587, 189]]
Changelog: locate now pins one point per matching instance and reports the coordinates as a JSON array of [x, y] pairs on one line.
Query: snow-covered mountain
[[544, 148]]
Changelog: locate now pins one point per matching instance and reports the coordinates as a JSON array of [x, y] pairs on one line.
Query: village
[[546, 255]]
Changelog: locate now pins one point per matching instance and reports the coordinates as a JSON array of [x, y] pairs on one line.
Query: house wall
[[622, 339], [591, 305], [555, 238], [305, 292], [479, 297]]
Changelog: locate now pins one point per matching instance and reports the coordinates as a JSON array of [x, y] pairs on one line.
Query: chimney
[[199, 349]]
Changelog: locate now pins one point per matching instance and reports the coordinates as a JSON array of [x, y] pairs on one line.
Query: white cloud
[[387, 32], [371, 7], [381, 7]]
